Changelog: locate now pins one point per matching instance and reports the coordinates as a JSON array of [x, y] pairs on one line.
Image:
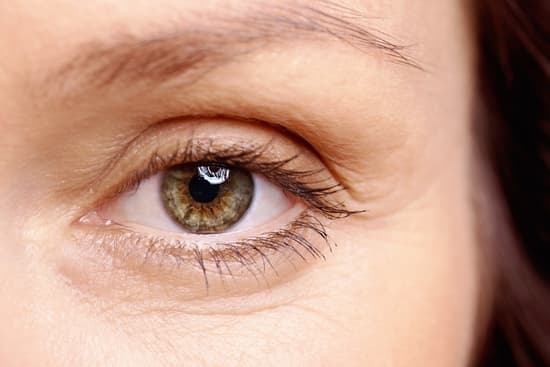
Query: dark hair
[[514, 75]]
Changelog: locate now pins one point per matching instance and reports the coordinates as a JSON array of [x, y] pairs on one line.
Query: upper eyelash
[[298, 183]]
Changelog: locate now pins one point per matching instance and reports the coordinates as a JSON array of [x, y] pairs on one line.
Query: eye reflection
[[206, 198]]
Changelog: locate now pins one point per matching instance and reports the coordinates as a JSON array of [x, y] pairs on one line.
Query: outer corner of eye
[[201, 199]]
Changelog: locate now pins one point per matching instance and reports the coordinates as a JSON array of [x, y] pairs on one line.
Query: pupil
[[201, 190]]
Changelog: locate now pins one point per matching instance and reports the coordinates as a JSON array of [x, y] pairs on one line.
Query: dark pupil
[[202, 190]]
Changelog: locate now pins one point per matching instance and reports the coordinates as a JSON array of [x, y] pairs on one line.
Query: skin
[[404, 285]]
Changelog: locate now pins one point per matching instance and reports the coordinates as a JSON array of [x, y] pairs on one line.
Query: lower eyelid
[[98, 223], [231, 268]]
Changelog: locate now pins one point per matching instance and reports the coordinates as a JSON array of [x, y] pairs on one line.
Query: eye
[[207, 198], [212, 209]]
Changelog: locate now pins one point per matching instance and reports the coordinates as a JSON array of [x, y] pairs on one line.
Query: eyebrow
[[190, 52]]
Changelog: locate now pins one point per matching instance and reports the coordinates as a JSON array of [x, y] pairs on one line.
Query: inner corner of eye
[[203, 199]]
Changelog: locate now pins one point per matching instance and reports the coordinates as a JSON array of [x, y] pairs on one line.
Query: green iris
[[206, 198]]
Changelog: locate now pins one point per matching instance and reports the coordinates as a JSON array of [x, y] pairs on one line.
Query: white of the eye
[[145, 207], [268, 203], [215, 176]]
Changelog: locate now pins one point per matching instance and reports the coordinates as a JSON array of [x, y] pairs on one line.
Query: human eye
[[224, 211], [201, 198]]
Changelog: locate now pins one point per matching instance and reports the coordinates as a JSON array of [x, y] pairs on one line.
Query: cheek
[[411, 283]]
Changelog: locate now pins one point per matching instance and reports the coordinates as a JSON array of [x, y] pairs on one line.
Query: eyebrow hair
[[197, 48]]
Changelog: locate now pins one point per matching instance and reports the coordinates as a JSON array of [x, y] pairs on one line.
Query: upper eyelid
[[154, 130], [314, 185], [296, 181], [315, 191], [155, 134]]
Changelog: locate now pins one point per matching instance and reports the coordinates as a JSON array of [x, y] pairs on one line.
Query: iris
[[206, 198]]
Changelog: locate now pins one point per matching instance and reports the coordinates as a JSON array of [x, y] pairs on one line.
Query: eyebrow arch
[[190, 52]]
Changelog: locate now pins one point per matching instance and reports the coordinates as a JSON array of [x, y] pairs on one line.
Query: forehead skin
[[386, 106]]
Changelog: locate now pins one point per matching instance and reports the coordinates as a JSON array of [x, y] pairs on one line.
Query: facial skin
[[85, 102]]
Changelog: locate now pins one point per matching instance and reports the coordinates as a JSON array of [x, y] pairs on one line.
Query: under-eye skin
[[206, 198]]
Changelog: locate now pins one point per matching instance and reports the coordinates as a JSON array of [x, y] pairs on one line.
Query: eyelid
[[247, 263], [149, 155]]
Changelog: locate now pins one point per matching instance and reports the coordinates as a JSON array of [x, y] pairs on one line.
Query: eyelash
[[251, 158], [251, 253]]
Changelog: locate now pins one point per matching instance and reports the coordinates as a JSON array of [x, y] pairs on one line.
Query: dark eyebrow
[[196, 48]]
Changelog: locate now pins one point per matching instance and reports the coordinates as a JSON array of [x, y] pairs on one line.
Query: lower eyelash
[[253, 255]]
